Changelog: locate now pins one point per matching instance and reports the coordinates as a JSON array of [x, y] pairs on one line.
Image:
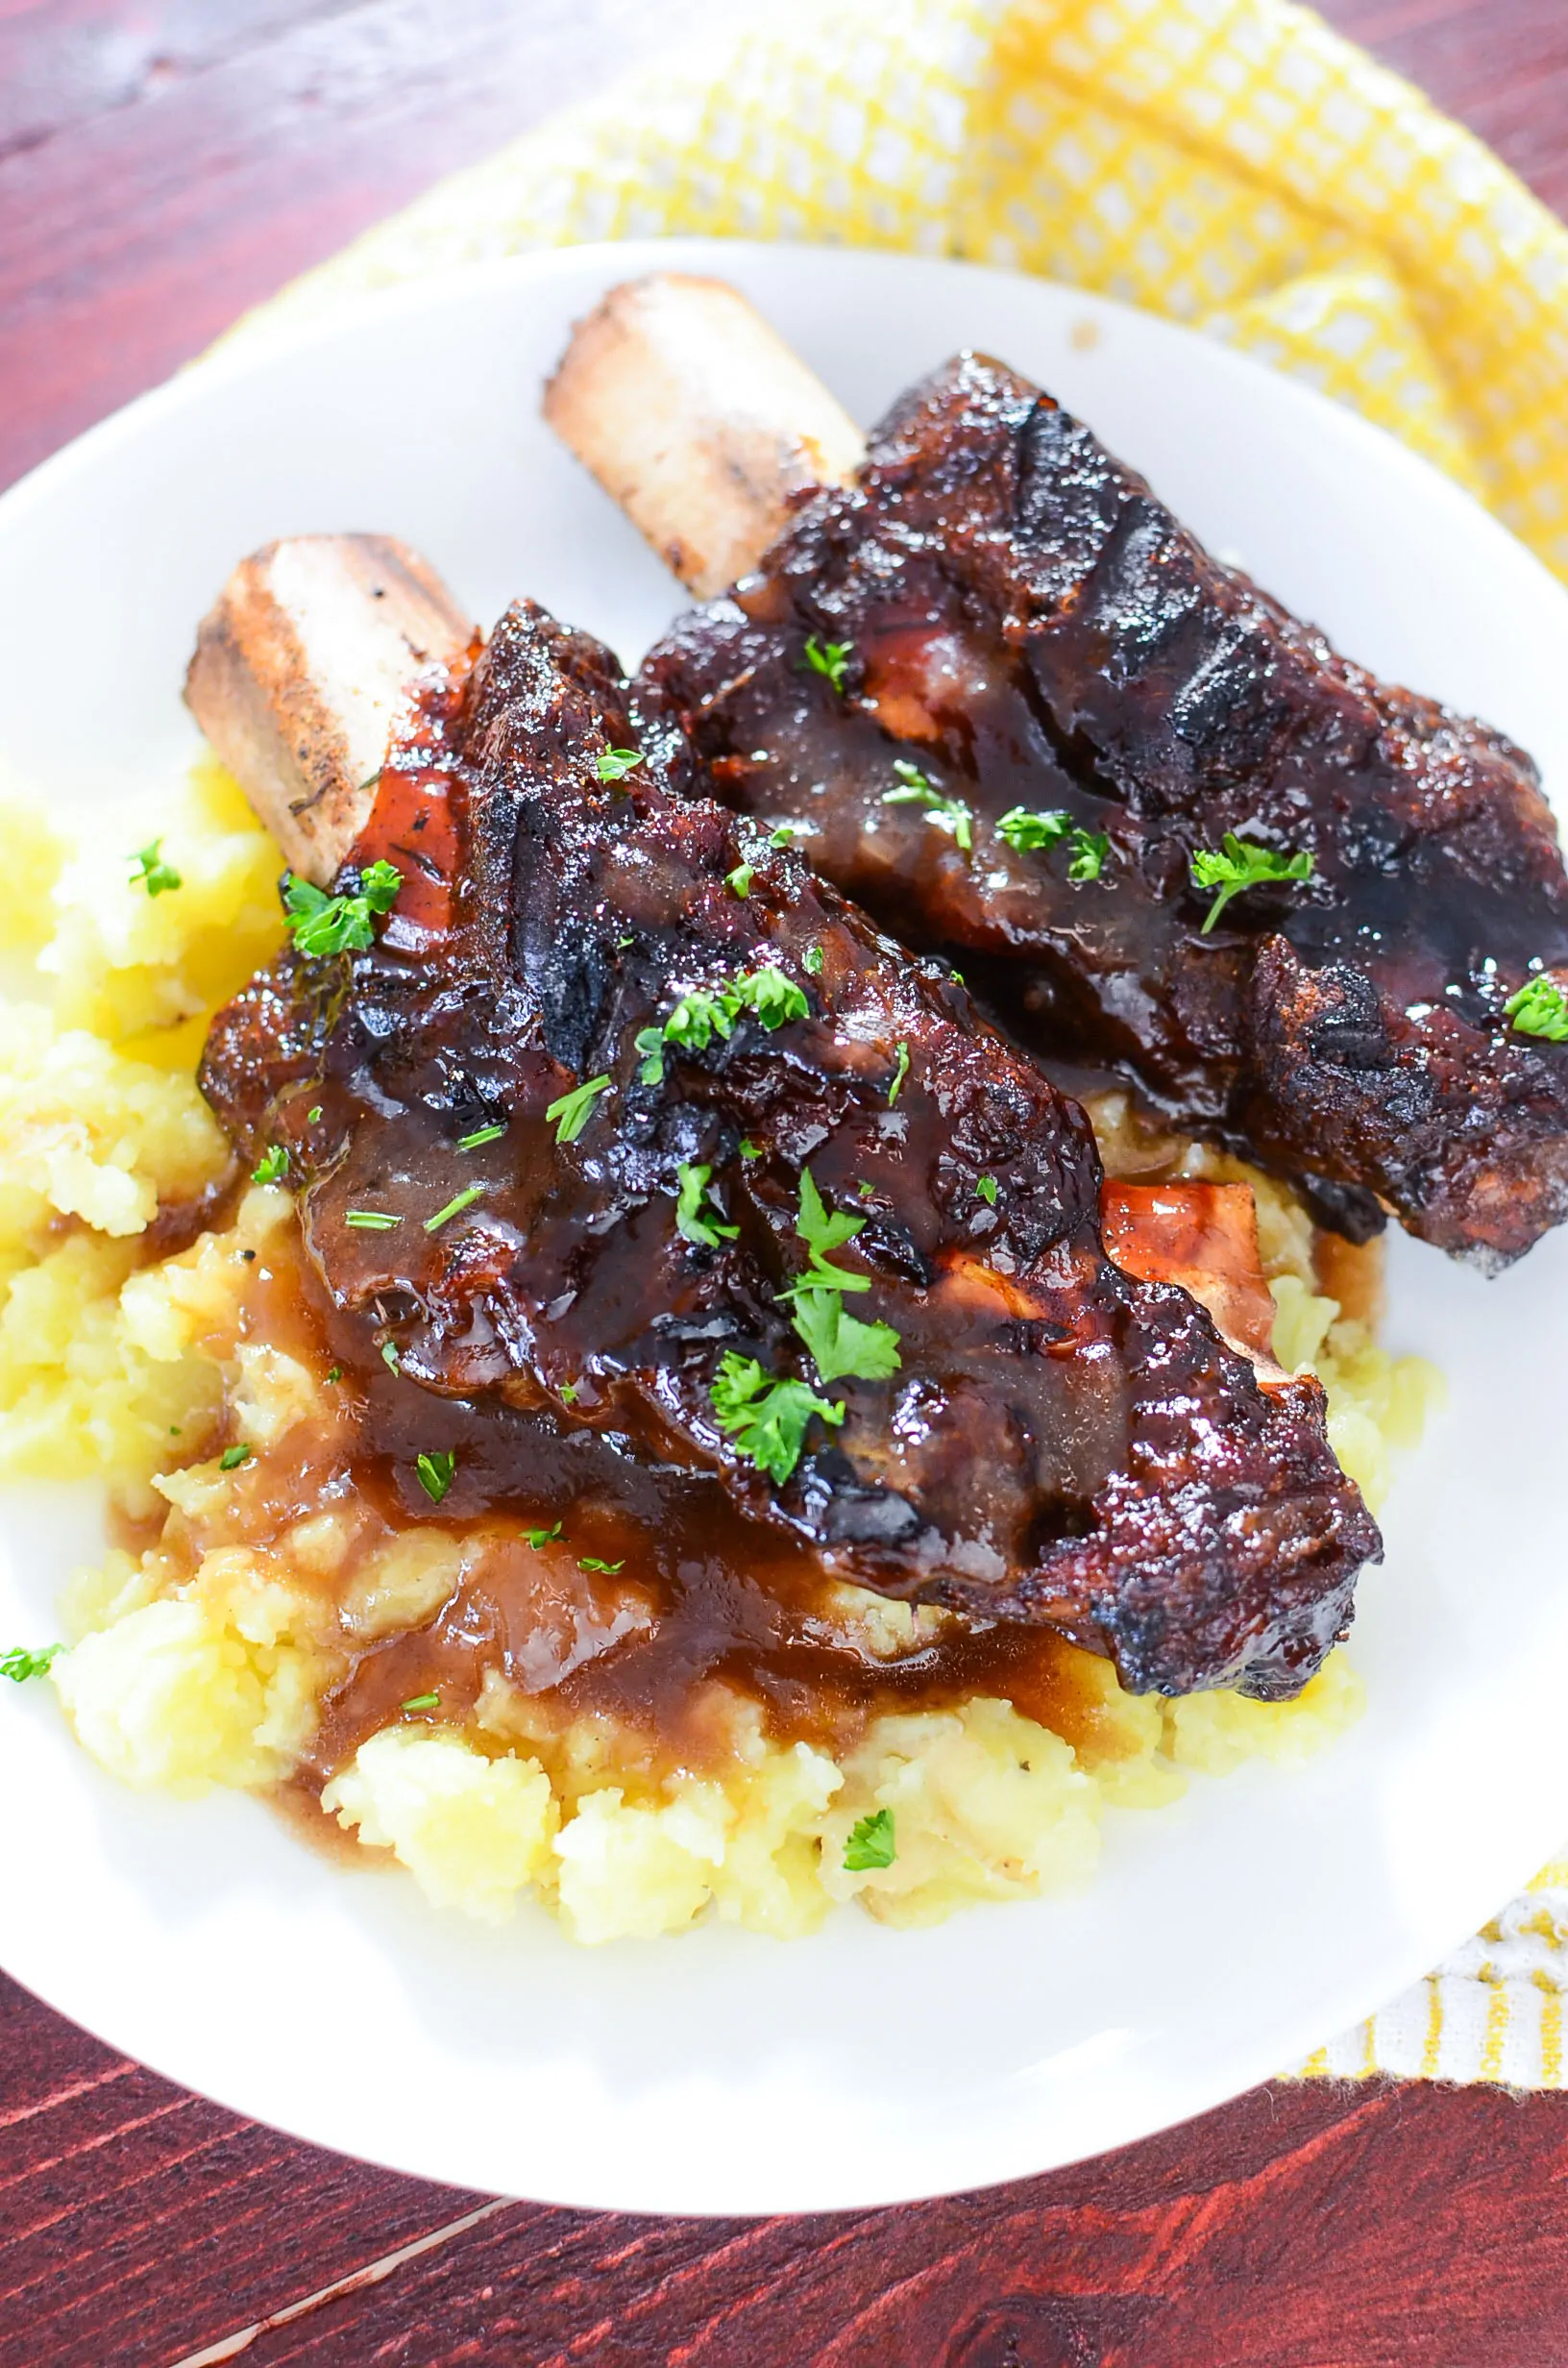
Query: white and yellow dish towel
[[1231, 163]]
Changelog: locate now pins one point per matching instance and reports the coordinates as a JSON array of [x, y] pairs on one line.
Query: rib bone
[[696, 418], [299, 668]]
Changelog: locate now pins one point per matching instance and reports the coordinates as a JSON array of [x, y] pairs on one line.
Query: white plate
[[720, 2072]]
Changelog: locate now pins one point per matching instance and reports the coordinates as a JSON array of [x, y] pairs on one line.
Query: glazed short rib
[[1016, 708], [625, 1117]]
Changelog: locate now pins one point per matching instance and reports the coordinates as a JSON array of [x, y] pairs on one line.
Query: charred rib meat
[[624, 1116], [1011, 701]]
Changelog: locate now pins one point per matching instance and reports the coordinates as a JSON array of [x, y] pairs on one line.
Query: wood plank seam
[[372, 2272]]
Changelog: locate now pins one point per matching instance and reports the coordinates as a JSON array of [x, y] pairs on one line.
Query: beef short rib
[[627, 1117], [1009, 699]]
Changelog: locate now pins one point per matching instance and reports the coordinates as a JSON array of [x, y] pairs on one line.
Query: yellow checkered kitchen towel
[[1231, 163]]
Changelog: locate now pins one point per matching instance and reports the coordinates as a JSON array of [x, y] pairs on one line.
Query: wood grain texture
[[164, 164]]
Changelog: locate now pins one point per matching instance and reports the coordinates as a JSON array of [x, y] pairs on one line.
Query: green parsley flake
[[830, 658], [784, 833], [1088, 850], [20, 1664], [568, 1393], [538, 1538], [740, 879], [574, 1109], [591, 1562], [272, 1167], [371, 1221], [1026, 829], [614, 764], [455, 1207], [1239, 864], [314, 1115], [706, 1230], [899, 1074], [949, 814], [435, 1472], [840, 1345], [811, 961], [866, 1191], [480, 1134], [421, 1702], [1539, 1008], [155, 876], [749, 1150], [334, 1373], [987, 1189], [321, 924], [870, 1843], [390, 1357], [702, 1013], [232, 1458], [766, 1418]]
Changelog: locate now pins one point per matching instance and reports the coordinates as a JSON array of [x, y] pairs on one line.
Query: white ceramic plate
[[721, 2072]]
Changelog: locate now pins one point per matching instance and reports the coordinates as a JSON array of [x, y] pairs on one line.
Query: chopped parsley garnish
[[866, 1191], [811, 961], [1088, 850], [840, 1345], [272, 1167], [949, 814], [371, 1221], [1026, 829], [614, 764], [870, 1843], [775, 997], [574, 1109], [321, 924], [749, 1150], [741, 878], [480, 1134], [783, 832], [900, 1072], [390, 1357], [987, 1189], [334, 1373], [455, 1207], [314, 1115], [766, 1418], [705, 1229], [1239, 864], [1539, 1008], [155, 875], [232, 1458], [568, 1393], [830, 658], [20, 1664], [822, 1231], [435, 1472], [423, 1702], [537, 1538], [703, 1013], [591, 1562]]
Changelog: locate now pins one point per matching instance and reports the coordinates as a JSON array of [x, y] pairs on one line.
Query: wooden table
[[164, 164]]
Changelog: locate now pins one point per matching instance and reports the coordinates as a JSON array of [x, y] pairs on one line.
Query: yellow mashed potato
[[202, 1660]]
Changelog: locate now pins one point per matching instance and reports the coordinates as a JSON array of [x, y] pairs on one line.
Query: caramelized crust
[[1029, 626], [1060, 1442]]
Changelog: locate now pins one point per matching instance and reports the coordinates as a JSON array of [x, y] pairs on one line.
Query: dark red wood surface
[[164, 164]]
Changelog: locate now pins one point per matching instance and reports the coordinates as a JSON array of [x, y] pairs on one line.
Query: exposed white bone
[[299, 668], [698, 419]]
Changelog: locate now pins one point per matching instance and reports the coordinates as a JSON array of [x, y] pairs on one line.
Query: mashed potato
[[204, 1659]]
